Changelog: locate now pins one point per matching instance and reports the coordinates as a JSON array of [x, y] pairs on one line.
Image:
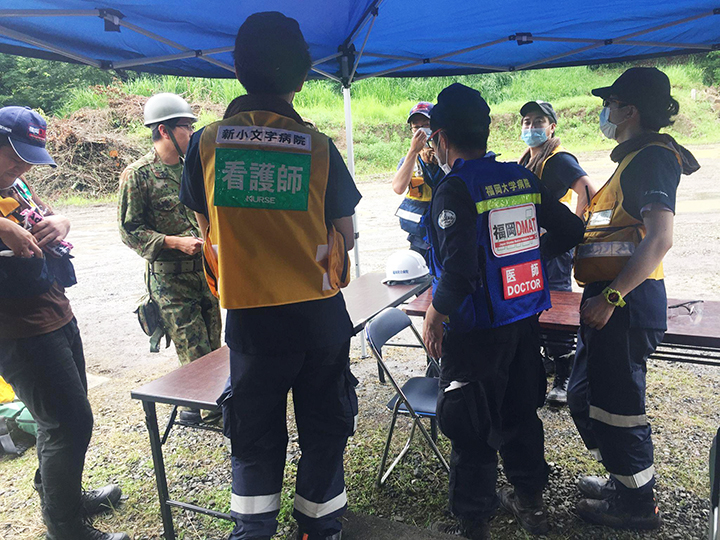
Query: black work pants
[[47, 373], [606, 395], [492, 383], [325, 412]]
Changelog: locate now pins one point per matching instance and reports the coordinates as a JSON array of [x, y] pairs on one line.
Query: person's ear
[[628, 113], [552, 127], [300, 86]]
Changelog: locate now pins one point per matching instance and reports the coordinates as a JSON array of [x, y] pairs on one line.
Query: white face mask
[[606, 126], [443, 164]]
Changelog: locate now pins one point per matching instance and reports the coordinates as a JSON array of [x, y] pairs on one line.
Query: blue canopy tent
[[352, 40]]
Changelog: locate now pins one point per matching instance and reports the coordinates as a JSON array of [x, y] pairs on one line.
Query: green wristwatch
[[613, 297]]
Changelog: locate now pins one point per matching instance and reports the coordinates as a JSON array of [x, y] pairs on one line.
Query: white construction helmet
[[405, 266], [166, 106]]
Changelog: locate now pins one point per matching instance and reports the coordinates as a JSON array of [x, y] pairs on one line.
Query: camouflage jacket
[[149, 208]]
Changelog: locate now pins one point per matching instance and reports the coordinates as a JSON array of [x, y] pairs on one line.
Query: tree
[[44, 84]]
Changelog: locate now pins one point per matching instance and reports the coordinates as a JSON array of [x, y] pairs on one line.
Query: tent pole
[[351, 167]]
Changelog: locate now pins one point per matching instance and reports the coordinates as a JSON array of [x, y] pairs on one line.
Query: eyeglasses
[[431, 139], [190, 127], [620, 104]]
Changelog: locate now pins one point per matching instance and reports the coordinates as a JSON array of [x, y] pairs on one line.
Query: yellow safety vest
[[611, 234], [567, 198], [268, 243], [6, 392]]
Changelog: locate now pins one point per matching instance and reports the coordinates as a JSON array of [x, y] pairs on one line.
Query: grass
[[380, 107], [682, 404], [80, 200]]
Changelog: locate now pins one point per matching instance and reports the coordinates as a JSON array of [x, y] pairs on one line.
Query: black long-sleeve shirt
[[457, 242]]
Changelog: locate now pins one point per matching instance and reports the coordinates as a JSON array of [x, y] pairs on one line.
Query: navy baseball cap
[[424, 108], [26, 130], [542, 106]]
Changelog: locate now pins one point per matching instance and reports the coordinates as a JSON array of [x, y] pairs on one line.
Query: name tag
[[600, 219], [513, 230], [522, 279], [262, 179], [264, 136]]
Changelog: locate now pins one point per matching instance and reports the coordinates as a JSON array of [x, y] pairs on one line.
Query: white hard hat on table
[[404, 266]]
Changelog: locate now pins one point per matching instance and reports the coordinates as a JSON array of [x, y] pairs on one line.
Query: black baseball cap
[[644, 87], [461, 108], [271, 54], [542, 106], [27, 132]]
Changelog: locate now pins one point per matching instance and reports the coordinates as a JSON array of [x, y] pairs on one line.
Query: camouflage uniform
[[148, 210]]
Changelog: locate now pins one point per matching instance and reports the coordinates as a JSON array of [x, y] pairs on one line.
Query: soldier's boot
[[190, 416], [528, 508], [621, 512], [557, 397], [597, 487]]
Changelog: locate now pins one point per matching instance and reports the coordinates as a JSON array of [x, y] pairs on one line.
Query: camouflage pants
[[189, 312]]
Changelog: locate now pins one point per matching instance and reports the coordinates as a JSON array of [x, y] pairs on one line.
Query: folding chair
[[416, 398], [715, 489]]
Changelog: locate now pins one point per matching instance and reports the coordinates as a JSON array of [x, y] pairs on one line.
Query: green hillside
[[380, 107], [96, 121]]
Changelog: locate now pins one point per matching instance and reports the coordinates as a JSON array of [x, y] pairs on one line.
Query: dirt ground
[[110, 283]]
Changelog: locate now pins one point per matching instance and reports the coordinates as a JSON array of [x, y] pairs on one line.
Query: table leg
[[159, 465]]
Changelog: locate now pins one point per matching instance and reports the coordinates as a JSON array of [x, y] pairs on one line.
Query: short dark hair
[[271, 55], [4, 141], [170, 124], [657, 116], [468, 140]]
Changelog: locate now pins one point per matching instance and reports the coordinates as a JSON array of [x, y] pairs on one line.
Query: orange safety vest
[[268, 243], [611, 234]]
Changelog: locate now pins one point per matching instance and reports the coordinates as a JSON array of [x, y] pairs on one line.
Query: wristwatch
[[613, 297]]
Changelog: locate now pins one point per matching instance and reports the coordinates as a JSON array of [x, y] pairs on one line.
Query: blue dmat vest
[[513, 282]]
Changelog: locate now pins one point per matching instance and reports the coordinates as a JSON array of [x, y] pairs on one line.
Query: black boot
[[528, 509], [597, 487], [101, 500], [190, 416], [475, 530], [79, 529], [95, 501], [621, 512], [557, 397]]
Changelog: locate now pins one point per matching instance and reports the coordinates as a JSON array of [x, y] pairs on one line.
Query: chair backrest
[[387, 324]]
